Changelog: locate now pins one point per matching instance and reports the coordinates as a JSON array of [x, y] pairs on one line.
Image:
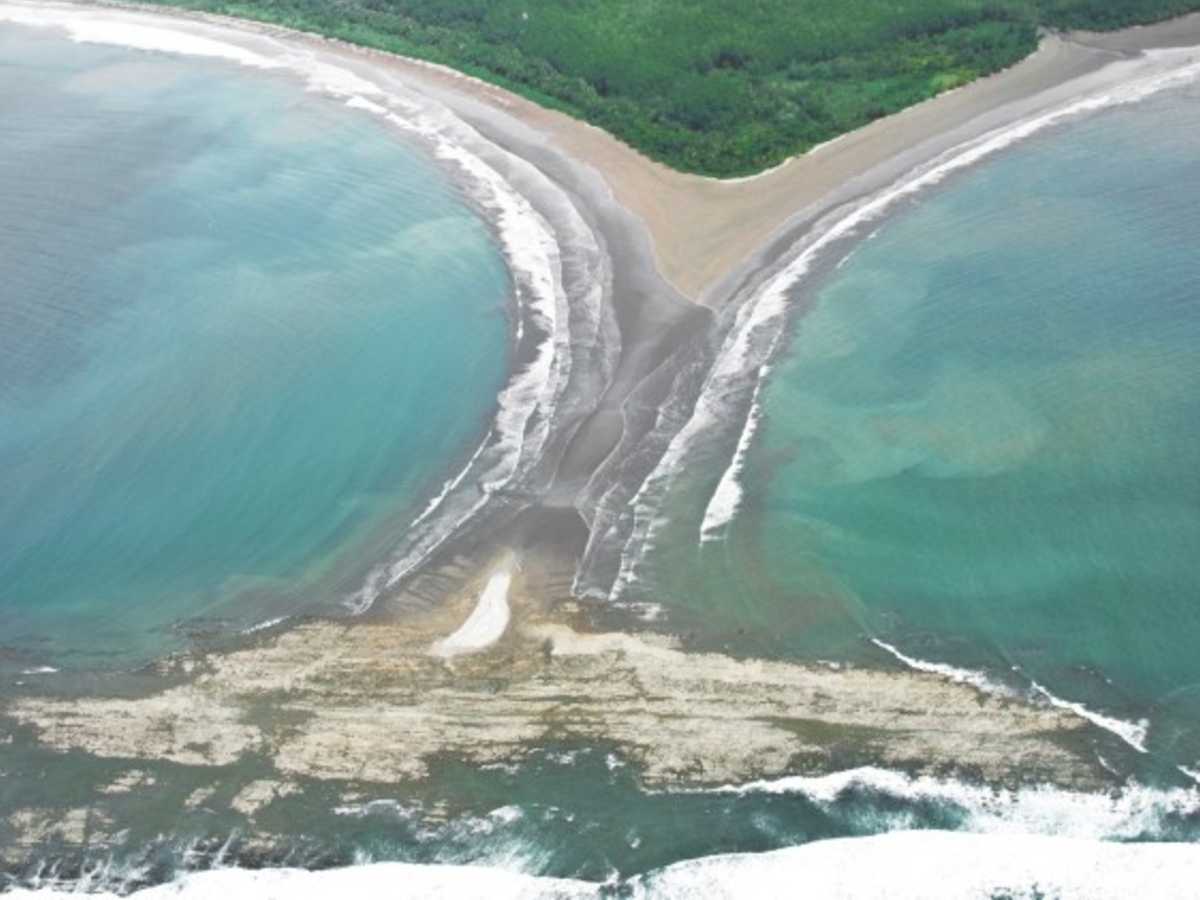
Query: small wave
[[265, 624], [387, 808], [961, 676], [98, 30], [40, 670], [1132, 733], [930, 865], [1133, 812], [728, 496]]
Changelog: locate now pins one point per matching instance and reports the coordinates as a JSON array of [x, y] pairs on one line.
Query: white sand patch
[[488, 621]]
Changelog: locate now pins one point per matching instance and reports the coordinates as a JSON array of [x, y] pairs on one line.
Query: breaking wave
[[1134, 812], [928, 865], [953, 865], [1135, 734]]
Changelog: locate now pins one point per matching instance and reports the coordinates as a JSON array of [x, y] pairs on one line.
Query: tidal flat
[[367, 708], [585, 730]]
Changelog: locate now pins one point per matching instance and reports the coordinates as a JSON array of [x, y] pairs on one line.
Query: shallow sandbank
[[370, 703]]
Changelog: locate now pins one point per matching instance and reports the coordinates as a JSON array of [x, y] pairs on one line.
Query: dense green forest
[[712, 86]]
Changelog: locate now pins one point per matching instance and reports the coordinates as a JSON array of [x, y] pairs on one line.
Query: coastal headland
[[487, 649]]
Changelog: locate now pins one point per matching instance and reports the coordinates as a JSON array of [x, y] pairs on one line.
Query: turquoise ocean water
[[981, 443], [242, 330], [264, 331]]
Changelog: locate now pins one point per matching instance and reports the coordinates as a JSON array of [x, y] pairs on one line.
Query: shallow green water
[[241, 327], [982, 442]]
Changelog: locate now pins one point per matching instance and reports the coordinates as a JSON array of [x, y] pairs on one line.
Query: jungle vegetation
[[718, 87]]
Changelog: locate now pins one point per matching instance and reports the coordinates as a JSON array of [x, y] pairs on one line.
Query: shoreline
[[648, 228], [592, 172], [720, 242]]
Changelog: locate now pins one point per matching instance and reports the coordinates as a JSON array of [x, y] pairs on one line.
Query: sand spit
[[369, 703], [488, 620]]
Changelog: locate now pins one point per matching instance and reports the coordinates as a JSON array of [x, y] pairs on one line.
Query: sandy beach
[[498, 658]]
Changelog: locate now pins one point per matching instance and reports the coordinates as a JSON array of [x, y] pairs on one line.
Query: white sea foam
[[265, 624], [1132, 733], [728, 495], [961, 676], [1133, 812], [526, 406], [385, 807], [40, 670], [98, 29], [534, 391], [488, 620], [930, 865], [769, 305], [375, 880]]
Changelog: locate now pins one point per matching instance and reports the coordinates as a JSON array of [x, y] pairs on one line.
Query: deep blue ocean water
[[242, 329]]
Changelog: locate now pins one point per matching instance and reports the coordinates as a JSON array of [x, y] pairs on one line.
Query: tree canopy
[[710, 86]]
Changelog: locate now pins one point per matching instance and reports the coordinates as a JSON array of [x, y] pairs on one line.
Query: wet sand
[[326, 700]]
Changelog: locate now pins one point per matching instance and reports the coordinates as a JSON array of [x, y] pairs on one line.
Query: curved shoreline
[[567, 341], [630, 374], [623, 349]]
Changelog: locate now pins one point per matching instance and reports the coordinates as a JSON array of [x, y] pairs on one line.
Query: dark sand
[[678, 246]]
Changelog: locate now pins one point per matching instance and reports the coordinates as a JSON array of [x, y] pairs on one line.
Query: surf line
[[960, 676], [1132, 733], [488, 620]]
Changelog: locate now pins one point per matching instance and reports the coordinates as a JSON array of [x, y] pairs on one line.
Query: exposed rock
[[199, 797], [127, 781], [367, 703], [257, 794]]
